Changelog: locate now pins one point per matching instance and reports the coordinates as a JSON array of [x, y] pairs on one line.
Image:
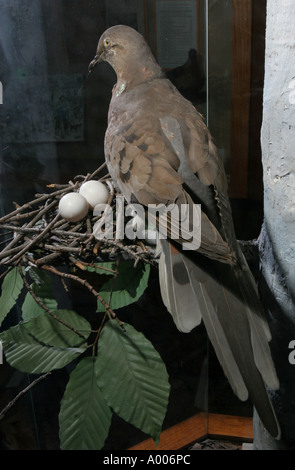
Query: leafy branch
[[115, 368]]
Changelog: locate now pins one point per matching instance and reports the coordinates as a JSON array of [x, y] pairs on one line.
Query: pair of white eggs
[[75, 206]]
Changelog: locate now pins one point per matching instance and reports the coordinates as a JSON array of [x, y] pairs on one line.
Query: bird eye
[[107, 42]]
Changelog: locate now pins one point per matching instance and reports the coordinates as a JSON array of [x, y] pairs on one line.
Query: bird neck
[[135, 74]]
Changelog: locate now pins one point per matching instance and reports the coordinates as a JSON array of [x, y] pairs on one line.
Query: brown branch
[[21, 393], [56, 238], [19, 237], [16, 249], [42, 198], [48, 258], [130, 250], [88, 286], [42, 305], [27, 215], [96, 172], [33, 242], [61, 248], [84, 283], [82, 265]]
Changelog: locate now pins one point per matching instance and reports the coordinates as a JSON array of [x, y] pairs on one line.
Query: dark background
[[68, 34]]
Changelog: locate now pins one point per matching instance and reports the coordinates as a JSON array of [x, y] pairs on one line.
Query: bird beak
[[94, 62]]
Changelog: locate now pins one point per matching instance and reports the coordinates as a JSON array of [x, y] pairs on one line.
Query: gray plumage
[[159, 151]]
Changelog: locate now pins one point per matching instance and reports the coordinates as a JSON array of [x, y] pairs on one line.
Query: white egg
[[95, 192], [73, 207]]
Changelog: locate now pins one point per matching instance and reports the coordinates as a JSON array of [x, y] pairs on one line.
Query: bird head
[[128, 53]]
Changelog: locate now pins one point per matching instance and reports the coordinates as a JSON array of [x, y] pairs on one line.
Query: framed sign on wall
[[176, 31]]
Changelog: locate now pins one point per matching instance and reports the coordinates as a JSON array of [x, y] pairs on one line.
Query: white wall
[[277, 239]]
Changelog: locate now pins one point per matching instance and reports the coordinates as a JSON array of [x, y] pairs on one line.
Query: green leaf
[[48, 330], [127, 287], [132, 377], [31, 308], [40, 277], [84, 417], [42, 287], [27, 354], [103, 268], [11, 288]]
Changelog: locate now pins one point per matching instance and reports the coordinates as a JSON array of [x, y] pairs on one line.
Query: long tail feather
[[229, 306], [259, 329], [177, 293]]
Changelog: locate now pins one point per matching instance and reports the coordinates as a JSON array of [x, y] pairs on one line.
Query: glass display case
[[53, 118]]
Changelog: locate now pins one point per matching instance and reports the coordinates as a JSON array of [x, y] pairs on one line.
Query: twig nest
[[94, 192], [73, 207]]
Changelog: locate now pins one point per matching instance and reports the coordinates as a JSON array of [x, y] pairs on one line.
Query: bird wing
[[159, 150], [153, 161]]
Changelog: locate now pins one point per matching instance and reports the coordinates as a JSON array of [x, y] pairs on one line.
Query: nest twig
[[35, 233]]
